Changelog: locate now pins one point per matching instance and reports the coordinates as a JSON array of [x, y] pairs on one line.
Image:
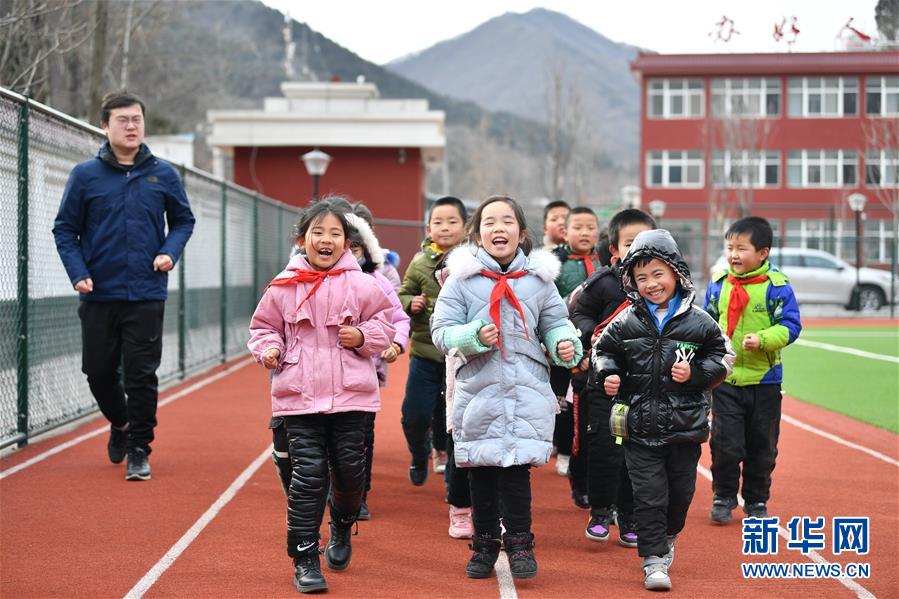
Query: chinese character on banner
[[781, 32], [726, 29], [806, 533], [850, 535], [760, 536]]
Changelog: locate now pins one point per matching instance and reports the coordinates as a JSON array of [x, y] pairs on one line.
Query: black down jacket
[[631, 346]]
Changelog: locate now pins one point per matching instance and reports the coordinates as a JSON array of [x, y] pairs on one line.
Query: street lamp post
[[857, 204], [316, 163], [630, 196], [657, 210]]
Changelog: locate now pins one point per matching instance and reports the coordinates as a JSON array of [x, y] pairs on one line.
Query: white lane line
[[504, 578], [844, 334], [105, 429], [840, 440], [813, 555], [150, 578], [847, 350]]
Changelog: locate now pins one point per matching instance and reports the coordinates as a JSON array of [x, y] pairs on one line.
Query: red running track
[[72, 527]]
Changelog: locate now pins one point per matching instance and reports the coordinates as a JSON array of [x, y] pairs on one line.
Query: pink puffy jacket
[[316, 375]]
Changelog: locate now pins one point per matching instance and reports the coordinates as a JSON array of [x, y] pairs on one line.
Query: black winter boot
[[307, 572], [486, 551], [339, 550], [520, 549]]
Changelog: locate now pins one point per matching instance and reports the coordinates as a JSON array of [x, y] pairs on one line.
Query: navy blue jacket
[[111, 225]]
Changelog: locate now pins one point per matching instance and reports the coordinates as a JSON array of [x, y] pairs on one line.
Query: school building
[[381, 151], [784, 136]]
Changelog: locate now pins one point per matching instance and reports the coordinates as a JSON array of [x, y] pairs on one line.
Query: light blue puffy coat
[[503, 406]]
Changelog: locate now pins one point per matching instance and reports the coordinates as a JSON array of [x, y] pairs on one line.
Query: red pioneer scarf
[[588, 261], [739, 297], [308, 276], [501, 289]]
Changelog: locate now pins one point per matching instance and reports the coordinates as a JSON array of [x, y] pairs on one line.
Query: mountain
[[503, 65]]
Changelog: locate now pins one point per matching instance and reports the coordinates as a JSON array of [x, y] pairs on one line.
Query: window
[[820, 262], [881, 168], [744, 168], [822, 168], [822, 96], [882, 96], [675, 98], [785, 260], [674, 168], [750, 97]]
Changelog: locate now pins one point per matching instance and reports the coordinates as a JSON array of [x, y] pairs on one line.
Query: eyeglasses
[[123, 121]]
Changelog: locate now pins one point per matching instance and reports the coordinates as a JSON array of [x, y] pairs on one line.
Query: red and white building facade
[[381, 150], [784, 136]]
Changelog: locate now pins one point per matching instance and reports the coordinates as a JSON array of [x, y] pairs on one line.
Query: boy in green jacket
[[755, 305], [427, 370]]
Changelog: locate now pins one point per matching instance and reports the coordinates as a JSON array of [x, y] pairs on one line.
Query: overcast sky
[[383, 30]]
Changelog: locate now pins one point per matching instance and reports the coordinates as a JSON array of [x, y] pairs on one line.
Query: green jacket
[[419, 280], [573, 272], [772, 313]]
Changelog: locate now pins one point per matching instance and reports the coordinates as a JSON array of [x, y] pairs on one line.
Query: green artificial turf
[[860, 387]]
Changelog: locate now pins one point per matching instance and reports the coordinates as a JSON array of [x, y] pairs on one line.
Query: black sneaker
[[581, 500], [117, 447], [598, 526], [340, 549], [486, 551], [138, 464], [520, 549], [364, 514], [307, 571], [756, 510], [627, 530], [418, 475], [721, 509]]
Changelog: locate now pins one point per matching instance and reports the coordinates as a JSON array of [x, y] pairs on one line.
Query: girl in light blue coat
[[498, 305]]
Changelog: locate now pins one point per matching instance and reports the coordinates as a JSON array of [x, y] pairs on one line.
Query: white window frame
[[758, 160], [884, 90], [883, 159], [728, 89], [666, 161], [840, 90], [667, 93], [809, 158]]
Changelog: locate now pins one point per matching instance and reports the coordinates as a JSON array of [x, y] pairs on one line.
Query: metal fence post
[[224, 261], [22, 268], [256, 266], [182, 290]]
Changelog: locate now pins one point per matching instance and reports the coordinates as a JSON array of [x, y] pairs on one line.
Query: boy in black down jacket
[[661, 356]]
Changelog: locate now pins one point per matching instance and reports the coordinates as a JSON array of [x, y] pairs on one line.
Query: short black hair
[[759, 229], [119, 99], [581, 210], [474, 226], [449, 201], [628, 216], [554, 205], [362, 211], [318, 210]]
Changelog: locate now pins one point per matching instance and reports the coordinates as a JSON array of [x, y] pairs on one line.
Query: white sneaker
[[669, 559], [439, 459], [655, 572], [562, 461]]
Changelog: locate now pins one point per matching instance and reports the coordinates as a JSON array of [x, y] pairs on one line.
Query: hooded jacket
[[111, 225], [316, 375], [503, 407], [419, 280], [642, 352]]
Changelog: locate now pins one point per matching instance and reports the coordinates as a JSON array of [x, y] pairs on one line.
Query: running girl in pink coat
[[319, 324]]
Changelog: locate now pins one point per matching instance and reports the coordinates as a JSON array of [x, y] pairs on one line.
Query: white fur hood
[[466, 261], [368, 238]]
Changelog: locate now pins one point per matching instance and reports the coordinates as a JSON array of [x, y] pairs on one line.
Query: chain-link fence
[[240, 241]]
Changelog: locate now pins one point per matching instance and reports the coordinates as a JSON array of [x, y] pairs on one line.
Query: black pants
[[369, 450], [439, 438], [424, 390], [608, 481], [458, 488], [563, 433], [745, 428], [114, 334], [664, 480], [315, 442], [489, 485]]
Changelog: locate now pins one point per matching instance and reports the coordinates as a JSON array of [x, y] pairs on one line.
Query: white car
[[818, 277]]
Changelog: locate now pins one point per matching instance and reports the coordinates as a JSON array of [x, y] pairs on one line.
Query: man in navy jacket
[[111, 236]]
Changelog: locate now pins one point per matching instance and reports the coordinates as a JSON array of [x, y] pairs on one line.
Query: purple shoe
[[627, 530], [598, 526]]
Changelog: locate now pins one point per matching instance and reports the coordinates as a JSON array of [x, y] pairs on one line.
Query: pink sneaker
[[461, 526]]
